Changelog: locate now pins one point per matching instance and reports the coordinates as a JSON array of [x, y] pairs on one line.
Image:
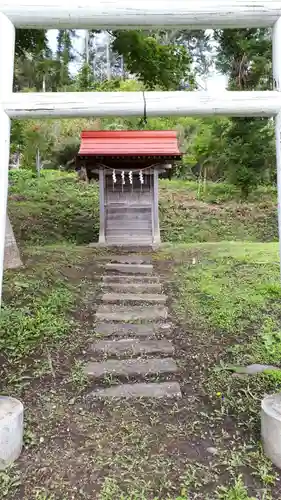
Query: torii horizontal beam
[[99, 104], [126, 14]]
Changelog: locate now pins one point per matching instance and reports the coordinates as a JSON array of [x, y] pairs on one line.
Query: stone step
[[143, 298], [132, 347], [129, 216], [132, 313], [128, 231], [118, 209], [128, 224], [130, 367], [130, 259], [127, 237], [130, 268], [142, 390], [133, 287], [126, 242], [110, 278], [131, 329]]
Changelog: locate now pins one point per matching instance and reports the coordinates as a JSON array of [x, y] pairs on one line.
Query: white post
[[276, 63], [108, 58], [7, 50]]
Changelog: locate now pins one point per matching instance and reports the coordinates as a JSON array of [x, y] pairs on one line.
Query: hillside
[[57, 207]]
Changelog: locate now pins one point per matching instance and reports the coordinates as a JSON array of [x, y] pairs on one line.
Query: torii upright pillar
[[276, 64], [7, 51]]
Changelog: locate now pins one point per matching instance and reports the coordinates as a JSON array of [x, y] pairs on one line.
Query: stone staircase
[[131, 326]]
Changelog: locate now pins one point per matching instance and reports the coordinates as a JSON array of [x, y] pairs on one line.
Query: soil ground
[[204, 446]]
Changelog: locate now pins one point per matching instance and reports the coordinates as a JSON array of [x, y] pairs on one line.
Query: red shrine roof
[[115, 143]]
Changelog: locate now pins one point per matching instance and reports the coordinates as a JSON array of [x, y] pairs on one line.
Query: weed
[[78, 377], [25, 328], [236, 492], [9, 482]]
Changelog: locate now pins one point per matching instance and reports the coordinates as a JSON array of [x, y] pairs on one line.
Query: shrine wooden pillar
[[155, 209], [102, 205]]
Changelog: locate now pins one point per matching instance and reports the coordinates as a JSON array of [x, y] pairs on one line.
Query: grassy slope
[[225, 299], [56, 208]]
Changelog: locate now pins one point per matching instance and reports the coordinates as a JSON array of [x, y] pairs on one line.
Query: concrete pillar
[[12, 258], [271, 428], [11, 430]]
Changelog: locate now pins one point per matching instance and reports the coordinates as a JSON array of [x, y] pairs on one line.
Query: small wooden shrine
[[127, 165]]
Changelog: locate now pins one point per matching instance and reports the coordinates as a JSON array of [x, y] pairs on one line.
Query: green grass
[[234, 288], [231, 284], [228, 295], [36, 307], [53, 209]]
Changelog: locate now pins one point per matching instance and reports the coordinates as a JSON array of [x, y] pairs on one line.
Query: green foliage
[[33, 41], [36, 72], [65, 152], [245, 56], [250, 153], [84, 80], [155, 64], [65, 56]]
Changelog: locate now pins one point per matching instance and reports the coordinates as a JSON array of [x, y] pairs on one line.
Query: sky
[[216, 82]]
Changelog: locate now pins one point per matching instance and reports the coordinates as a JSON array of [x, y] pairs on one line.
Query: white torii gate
[[128, 14]]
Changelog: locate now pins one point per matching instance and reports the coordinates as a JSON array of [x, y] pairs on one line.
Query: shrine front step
[[112, 312], [125, 241], [129, 268]]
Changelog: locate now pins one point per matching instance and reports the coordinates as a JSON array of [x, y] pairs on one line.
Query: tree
[[244, 55], [155, 64], [65, 55], [37, 72], [197, 43], [34, 41]]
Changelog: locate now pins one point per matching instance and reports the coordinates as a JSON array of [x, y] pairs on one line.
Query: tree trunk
[[12, 258]]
